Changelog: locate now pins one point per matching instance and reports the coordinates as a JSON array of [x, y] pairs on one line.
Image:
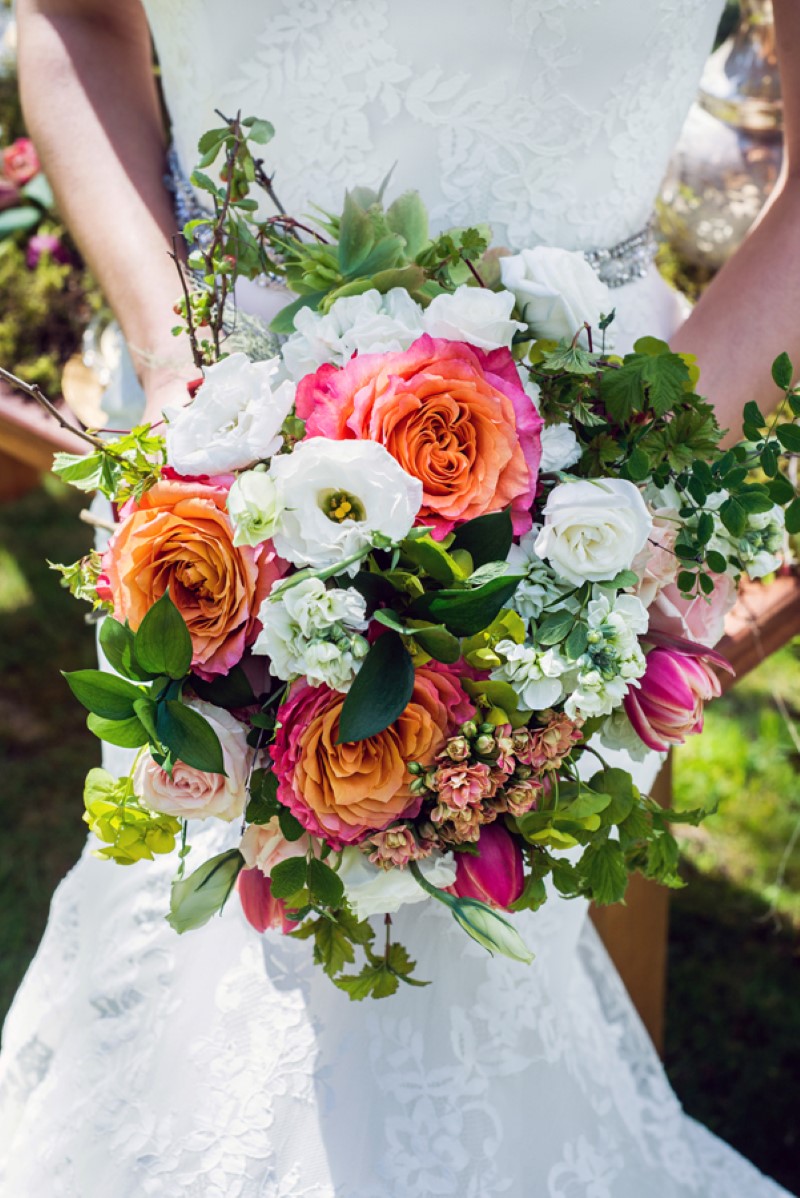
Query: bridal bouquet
[[386, 590]]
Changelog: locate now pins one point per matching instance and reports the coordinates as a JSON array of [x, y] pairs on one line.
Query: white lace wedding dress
[[221, 1064]]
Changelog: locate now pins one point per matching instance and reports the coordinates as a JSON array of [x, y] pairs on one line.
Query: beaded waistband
[[617, 265]]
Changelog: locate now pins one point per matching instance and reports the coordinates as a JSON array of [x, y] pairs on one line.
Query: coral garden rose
[[179, 536], [452, 415], [344, 792], [20, 161], [189, 793]]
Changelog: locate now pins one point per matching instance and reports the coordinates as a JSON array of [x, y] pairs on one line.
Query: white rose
[[593, 530], [560, 448], [254, 507], [191, 793], [557, 291], [374, 891], [234, 420], [337, 495], [370, 323], [473, 314]]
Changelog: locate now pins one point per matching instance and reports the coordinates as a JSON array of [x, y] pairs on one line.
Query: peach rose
[[190, 793], [452, 415], [179, 536], [345, 792], [264, 846]]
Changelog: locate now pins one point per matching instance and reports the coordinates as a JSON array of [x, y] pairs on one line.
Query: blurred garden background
[[733, 1016]]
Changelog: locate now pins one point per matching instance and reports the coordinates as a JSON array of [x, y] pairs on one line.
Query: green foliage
[[80, 578], [129, 831], [380, 692], [121, 469]]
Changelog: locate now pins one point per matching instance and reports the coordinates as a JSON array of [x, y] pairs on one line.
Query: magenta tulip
[[261, 910], [667, 706], [495, 875], [45, 243]]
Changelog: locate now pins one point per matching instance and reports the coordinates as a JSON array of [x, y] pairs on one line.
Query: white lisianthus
[[533, 674], [473, 314], [371, 890], [560, 448], [337, 497], [254, 507], [541, 586], [309, 631], [370, 323], [613, 659], [593, 530], [556, 291], [234, 420]]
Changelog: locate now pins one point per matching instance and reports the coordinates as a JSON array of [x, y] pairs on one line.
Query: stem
[[433, 891], [322, 575], [473, 271], [387, 921], [34, 392], [197, 356], [87, 516]]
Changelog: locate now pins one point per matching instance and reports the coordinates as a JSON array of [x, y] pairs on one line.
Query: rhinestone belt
[[619, 264]]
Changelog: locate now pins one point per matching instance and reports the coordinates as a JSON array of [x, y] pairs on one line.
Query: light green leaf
[[195, 899], [128, 734], [490, 929], [603, 866], [288, 877], [104, 694]]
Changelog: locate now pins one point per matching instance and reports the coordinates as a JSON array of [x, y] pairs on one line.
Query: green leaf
[[291, 827], [226, 690], [486, 538], [793, 517], [128, 734], [789, 436], [752, 415], [258, 130], [324, 883], [104, 694], [433, 558], [189, 737], [466, 613], [380, 692], [283, 323], [780, 490], [376, 980], [782, 371], [440, 644], [588, 802], [18, 220], [716, 561], [644, 381], [554, 628], [146, 711], [637, 466], [408, 216], [162, 643], [577, 642], [195, 899], [603, 866], [288, 877], [733, 516], [263, 804], [356, 237], [117, 643]]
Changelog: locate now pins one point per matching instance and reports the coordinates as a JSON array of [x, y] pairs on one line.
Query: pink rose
[[701, 619], [264, 846], [656, 564], [453, 416], [667, 706], [495, 875], [260, 909], [194, 794], [20, 161]]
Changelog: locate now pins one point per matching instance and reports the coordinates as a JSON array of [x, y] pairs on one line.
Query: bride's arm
[[751, 311], [92, 108]]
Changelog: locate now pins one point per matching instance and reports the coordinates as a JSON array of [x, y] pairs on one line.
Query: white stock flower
[[533, 674], [337, 496], [473, 314], [234, 420], [593, 530], [759, 549], [613, 658], [560, 448], [370, 323], [309, 631], [371, 890], [541, 586], [556, 291], [254, 507]]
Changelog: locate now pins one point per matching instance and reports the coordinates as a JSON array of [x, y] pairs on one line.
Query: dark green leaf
[[162, 643], [195, 899], [466, 613], [486, 538], [554, 628], [752, 415], [637, 467], [577, 642], [189, 737], [116, 641], [625, 578], [780, 490], [716, 561], [104, 694], [438, 642], [705, 528], [324, 883], [288, 877], [263, 804], [769, 459], [380, 692], [782, 371], [146, 712], [128, 734], [644, 380], [686, 581], [733, 516], [291, 828], [789, 436], [283, 323], [793, 517], [226, 690]]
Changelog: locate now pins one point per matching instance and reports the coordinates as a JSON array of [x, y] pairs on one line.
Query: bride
[[222, 1065]]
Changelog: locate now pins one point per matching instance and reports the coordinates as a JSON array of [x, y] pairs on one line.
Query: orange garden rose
[[452, 415], [344, 792], [179, 536]]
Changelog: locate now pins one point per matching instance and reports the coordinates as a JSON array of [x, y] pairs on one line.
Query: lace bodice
[[554, 118]]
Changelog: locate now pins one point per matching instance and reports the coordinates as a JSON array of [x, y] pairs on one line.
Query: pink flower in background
[[701, 619], [453, 416], [668, 704], [495, 875], [20, 161], [260, 909], [45, 243]]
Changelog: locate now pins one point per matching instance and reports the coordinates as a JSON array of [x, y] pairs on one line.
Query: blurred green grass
[[733, 1020]]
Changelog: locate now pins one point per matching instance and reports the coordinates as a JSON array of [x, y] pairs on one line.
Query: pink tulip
[[668, 704], [261, 910], [495, 875]]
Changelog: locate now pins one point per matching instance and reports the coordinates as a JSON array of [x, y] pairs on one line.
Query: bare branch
[[34, 392]]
